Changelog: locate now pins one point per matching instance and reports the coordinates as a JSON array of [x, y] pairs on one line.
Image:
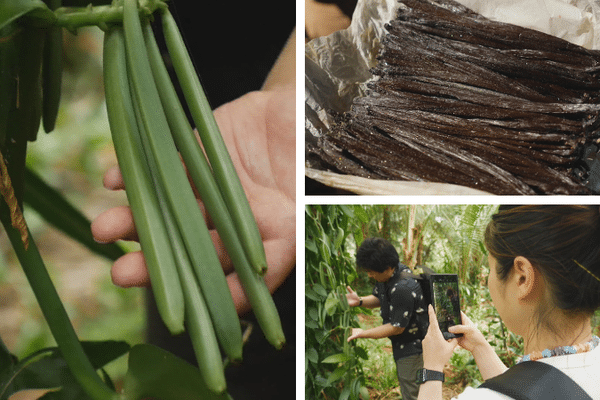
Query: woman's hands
[[472, 338], [487, 360], [436, 350], [259, 130]]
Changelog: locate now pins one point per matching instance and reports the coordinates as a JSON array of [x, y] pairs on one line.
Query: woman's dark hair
[[562, 242], [376, 254]]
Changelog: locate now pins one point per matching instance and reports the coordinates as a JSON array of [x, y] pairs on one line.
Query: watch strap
[[424, 375]]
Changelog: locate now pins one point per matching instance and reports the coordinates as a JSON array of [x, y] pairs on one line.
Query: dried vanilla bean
[[461, 99]]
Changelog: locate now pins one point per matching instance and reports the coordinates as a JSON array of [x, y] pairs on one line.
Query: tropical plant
[[332, 367], [149, 130]]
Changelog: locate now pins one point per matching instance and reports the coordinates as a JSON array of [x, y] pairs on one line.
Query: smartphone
[[446, 302]]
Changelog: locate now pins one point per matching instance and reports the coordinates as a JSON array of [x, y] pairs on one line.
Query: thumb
[[349, 289], [453, 342], [459, 329], [465, 320]]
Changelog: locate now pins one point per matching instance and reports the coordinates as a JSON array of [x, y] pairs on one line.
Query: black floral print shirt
[[403, 306]]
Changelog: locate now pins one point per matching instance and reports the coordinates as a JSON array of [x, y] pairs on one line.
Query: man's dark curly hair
[[377, 254]]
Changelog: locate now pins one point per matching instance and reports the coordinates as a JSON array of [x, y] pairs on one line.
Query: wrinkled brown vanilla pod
[[460, 99]]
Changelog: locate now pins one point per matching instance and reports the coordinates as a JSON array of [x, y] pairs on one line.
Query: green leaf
[[321, 336], [320, 290], [156, 373], [348, 210], [358, 236], [313, 313], [364, 393], [101, 353], [335, 358], [7, 360], [356, 389], [345, 394], [59, 212], [360, 213], [46, 368], [337, 374], [11, 10], [339, 238], [361, 353], [312, 355], [84, 3], [310, 245], [311, 324], [309, 293], [331, 303]]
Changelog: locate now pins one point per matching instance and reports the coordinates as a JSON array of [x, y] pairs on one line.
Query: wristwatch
[[360, 302], [424, 375]]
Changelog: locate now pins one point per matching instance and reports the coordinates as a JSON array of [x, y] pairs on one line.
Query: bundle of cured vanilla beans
[[461, 99]]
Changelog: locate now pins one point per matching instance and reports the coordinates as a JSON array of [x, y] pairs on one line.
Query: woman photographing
[[545, 284]]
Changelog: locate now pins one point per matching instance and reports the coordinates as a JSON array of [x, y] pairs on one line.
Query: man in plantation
[[403, 310]]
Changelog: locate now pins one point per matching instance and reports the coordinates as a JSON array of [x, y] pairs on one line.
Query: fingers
[[355, 334], [130, 271], [459, 329], [114, 224], [466, 326], [434, 327], [113, 180], [279, 269], [454, 343], [432, 316], [350, 290], [465, 320]]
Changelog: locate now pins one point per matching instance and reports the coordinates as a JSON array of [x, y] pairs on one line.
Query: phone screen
[[446, 301]]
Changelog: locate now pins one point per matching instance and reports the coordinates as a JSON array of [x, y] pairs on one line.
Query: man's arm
[[379, 332], [370, 301], [354, 300]]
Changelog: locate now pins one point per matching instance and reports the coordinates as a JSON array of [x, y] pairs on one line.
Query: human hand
[[472, 338], [490, 365], [355, 334], [352, 297], [436, 350], [259, 131]]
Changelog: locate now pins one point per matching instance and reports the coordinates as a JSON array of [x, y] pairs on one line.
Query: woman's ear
[[526, 277]]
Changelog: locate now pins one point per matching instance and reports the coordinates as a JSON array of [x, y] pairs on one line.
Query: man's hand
[[352, 297], [355, 333], [259, 130], [379, 332]]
